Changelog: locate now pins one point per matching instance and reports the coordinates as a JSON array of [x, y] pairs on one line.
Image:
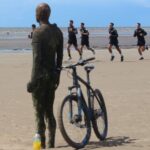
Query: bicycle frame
[[83, 113], [81, 99]]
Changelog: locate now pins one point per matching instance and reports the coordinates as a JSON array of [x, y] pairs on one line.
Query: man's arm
[[69, 29], [86, 32], [115, 33], [75, 31], [81, 31], [135, 34], [144, 32]]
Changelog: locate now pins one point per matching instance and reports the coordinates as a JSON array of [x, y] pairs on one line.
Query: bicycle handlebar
[[80, 63], [89, 59]]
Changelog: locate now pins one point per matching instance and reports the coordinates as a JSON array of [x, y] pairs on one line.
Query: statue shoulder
[[54, 24], [37, 35], [57, 29]]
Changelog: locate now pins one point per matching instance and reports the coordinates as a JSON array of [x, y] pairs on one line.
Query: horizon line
[[77, 26]]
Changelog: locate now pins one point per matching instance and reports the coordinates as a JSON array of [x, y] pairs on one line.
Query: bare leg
[[81, 49], [80, 53], [110, 50], [120, 52], [140, 49], [68, 49], [91, 49]]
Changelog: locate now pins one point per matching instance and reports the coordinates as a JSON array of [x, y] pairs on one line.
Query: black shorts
[[114, 43], [73, 42], [141, 43], [85, 42]]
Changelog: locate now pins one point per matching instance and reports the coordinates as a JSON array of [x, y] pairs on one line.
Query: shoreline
[[26, 51], [97, 42]]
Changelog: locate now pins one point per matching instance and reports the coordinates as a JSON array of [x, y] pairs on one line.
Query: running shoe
[[112, 58]]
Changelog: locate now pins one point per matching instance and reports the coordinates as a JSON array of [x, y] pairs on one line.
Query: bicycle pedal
[[97, 113], [77, 118]]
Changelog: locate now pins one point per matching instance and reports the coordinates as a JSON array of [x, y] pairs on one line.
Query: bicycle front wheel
[[100, 122], [75, 129]]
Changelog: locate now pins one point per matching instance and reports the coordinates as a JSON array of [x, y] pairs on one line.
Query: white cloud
[[144, 3]]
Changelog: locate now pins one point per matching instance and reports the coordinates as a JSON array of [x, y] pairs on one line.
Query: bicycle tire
[[63, 131], [100, 134]]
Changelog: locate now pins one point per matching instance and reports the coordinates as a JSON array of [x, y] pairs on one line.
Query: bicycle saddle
[[89, 68]]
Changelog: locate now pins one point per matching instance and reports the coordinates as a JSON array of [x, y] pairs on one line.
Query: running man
[[140, 34], [113, 41], [72, 40], [85, 38]]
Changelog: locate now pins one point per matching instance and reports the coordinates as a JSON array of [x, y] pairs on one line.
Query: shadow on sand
[[110, 142]]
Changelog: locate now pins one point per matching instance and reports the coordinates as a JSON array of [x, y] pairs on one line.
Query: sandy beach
[[125, 87]]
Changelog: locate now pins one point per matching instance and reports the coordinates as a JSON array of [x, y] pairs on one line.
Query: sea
[[22, 33], [9, 37]]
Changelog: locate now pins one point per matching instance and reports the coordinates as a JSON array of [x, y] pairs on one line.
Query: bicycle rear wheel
[[75, 130], [100, 122]]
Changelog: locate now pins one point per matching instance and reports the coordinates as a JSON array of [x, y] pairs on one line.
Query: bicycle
[[75, 112]]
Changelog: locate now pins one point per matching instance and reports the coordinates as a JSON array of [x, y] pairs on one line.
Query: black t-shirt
[[140, 33], [84, 34], [113, 34], [72, 32]]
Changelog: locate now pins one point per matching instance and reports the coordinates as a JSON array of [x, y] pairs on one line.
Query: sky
[[94, 13]]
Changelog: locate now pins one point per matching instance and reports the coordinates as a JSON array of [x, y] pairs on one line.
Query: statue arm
[[59, 59], [37, 57], [60, 52]]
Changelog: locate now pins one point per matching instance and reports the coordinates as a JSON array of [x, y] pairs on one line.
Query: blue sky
[[95, 13]]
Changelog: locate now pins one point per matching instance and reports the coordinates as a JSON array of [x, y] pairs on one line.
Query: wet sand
[[99, 43]]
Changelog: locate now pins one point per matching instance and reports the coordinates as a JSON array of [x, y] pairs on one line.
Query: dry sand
[[125, 87]]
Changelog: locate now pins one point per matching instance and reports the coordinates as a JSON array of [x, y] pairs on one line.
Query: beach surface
[[124, 85]]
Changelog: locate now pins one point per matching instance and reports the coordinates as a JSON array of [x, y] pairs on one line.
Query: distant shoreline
[[98, 42], [16, 39], [77, 27]]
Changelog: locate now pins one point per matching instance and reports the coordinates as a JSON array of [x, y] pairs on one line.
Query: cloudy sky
[[95, 13]]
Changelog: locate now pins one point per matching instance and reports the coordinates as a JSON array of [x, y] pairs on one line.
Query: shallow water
[[22, 33], [16, 39]]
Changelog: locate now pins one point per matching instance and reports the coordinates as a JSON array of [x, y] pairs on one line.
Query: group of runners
[[140, 33], [72, 40]]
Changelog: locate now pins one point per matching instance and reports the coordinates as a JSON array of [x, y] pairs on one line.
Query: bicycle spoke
[[71, 121]]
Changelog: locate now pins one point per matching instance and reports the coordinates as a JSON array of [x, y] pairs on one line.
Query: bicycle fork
[[75, 118]]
